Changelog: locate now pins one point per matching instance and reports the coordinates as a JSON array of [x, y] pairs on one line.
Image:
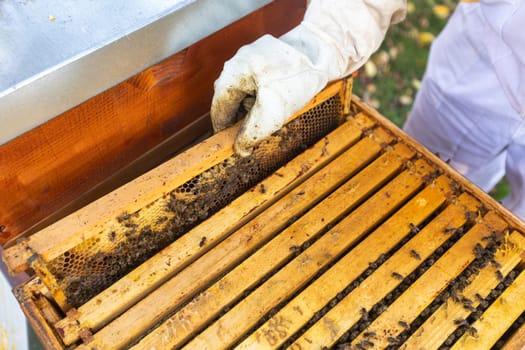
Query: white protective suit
[[470, 108], [334, 39]]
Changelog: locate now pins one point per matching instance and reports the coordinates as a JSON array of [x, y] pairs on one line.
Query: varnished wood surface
[[341, 229], [52, 165], [188, 248]]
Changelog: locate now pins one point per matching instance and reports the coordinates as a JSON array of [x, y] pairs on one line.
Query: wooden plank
[[101, 214], [51, 165], [421, 293], [435, 330], [135, 285], [487, 200], [298, 311], [208, 304], [229, 252], [25, 296], [224, 332], [374, 288], [516, 340], [497, 318]]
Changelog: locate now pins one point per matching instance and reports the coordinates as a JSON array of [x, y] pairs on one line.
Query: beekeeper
[[470, 106]]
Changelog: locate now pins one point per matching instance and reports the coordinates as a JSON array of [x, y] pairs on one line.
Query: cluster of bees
[[484, 256]]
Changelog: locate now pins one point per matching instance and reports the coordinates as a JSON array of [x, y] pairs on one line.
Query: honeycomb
[[130, 239]]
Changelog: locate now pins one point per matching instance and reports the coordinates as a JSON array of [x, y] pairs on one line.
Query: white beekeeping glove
[[334, 39]]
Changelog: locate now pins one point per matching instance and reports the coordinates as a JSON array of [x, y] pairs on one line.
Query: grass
[[389, 81]]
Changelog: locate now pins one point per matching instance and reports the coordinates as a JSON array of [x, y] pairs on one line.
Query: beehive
[[339, 232]]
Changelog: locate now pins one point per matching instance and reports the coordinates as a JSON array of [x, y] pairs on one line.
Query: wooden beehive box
[[361, 239]]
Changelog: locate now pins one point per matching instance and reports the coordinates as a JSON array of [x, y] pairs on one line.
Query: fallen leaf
[[381, 58], [370, 69], [416, 83], [405, 100], [413, 33], [411, 7], [425, 38], [441, 11], [393, 52]]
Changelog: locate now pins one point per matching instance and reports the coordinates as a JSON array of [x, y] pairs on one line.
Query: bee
[[469, 308], [479, 251], [161, 220], [466, 301], [324, 151], [454, 296], [130, 232], [492, 237], [454, 185], [403, 324], [295, 249], [460, 322], [392, 340], [203, 241], [365, 344], [413, 228], [370, 334], [474, 270], [472, 331], [262, 188], [450, 340], [398, 276], [499, 275], [495, 264], [354, 334], [453, 230], [333, 302], [123, 217], [415, 254], [131, 225], [478, 314], [364, 314], [471, 216]]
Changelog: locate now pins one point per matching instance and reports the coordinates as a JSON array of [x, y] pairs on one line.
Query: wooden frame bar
[[273, 254], [187, 249], [297, 258], [303, 307], [434, 331]]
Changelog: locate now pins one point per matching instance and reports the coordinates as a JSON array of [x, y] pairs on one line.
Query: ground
[[389, 81]]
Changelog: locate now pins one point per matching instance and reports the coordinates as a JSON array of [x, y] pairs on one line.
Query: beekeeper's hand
[[335, 38]]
